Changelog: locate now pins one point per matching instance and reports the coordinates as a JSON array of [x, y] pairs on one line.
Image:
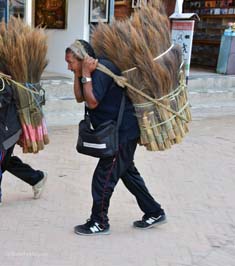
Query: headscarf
[[81, 48]]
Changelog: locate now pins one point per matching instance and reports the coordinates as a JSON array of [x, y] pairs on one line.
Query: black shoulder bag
[[102, 141]]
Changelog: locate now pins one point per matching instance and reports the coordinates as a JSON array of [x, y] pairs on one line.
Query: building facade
[[67, 20], [68, 26]]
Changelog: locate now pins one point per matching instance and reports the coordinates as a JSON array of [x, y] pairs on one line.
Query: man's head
[[75, 53]]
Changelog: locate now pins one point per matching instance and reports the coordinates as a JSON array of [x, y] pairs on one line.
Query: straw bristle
[[136, 42], [22, 51]]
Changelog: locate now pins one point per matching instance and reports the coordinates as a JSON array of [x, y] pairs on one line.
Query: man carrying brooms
[[103, 97]]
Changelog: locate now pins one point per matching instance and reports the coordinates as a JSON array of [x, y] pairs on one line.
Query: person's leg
[[26, 173], [135, 183], [153, 213], [104, 180], [23, 171], [103, 183], [6, 159], [106, 176]]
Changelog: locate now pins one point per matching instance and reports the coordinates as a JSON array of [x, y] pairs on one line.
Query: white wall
[[58, 40]]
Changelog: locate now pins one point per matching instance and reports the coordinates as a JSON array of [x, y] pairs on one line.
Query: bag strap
[[120, 116], [121, 110]]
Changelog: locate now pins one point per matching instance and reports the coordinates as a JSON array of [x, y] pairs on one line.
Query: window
[[12, 8]]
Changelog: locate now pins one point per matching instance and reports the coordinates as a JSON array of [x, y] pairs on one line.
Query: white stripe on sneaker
[[149, 221], [95, 228], [153, 219]]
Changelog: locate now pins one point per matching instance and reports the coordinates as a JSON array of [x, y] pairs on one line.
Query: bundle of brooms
[[22, 59], [141, 47]]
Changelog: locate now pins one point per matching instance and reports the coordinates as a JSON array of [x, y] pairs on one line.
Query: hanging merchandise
[[230, 31]]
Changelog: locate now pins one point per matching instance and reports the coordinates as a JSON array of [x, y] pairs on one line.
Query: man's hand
[[4, 75], [89, 64]]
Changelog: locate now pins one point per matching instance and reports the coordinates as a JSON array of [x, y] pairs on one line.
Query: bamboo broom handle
[[176, 130], [158, 136], [168, 126], [143, 136], [180, 126], [150, 134], [166, 139]]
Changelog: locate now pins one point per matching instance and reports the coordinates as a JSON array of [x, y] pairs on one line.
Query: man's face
[[74, 64]]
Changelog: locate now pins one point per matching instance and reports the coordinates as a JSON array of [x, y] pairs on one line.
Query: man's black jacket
[[10, 127]]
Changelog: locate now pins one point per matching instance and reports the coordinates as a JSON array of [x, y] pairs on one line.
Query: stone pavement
[[194, 181]]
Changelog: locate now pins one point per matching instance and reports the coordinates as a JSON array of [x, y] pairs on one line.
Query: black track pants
[[23, 171], [106, 176]]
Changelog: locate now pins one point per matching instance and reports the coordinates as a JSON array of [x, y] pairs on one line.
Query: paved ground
[[194, 181]]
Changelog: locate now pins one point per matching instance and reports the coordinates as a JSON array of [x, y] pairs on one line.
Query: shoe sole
[[94, 234], [152, 225]]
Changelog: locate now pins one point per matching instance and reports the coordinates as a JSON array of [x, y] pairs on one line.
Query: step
[[210, 82], [58, 88], [212, 96]]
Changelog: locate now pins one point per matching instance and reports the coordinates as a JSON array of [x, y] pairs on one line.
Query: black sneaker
[[148, 222], [91, 228]]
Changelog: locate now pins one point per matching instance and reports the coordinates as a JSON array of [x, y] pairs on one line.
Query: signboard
[[182, 34]]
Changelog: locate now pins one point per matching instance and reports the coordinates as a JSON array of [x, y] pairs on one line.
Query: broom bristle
[[22, 51], [135, 43]]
